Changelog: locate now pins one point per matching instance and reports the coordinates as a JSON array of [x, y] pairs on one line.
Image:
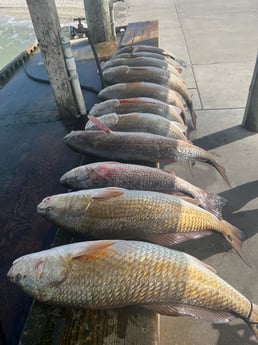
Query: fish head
[[77, 139], [85, 176], [77, 177], [39, 274], [65, 208], [109, 120]]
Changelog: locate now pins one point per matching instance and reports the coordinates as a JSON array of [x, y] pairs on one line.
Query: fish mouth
[[41, 209], [14, 278]]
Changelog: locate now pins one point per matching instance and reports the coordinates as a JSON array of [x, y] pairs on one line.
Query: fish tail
[[252, 319], [208, 158], [193, 113], [222, 172], [212, 203], [235, 237]]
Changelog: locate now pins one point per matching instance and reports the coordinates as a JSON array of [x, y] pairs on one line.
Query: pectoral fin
[[191, 311], [100, 125], [103, 172]]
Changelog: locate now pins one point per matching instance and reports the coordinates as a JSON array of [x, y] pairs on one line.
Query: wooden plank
[[47, 28], [142, 33], [117, 327], [250, 120]]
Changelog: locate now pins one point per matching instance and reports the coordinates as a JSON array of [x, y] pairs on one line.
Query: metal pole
[[73, 76]]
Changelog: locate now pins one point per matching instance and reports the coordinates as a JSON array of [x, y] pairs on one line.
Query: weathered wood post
[[99, 20], [47, 28], [250, 120]]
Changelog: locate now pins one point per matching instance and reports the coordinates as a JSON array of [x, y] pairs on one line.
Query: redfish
[[137, 146], [139, 177], [125, 74], [141, 61], [111, 274], [145, 89], [151, 49], [119, 213], [141, 122], [138, 104]]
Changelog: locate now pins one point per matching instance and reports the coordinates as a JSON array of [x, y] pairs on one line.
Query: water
[[15, 36]]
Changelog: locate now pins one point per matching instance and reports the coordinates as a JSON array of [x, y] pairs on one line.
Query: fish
[[141, 61], [125, 74], [131, 146], [141, 122], [147, 48], [138, 104], [139, 177], [109, 274], [118, 213], [145, 89]]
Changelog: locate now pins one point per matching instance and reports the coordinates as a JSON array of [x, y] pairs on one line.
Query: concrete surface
[[218, 39]]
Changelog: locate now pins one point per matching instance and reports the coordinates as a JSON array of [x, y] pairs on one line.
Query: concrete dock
[[218, 40]]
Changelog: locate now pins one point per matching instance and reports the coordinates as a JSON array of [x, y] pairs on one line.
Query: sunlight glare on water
[[15, 36]]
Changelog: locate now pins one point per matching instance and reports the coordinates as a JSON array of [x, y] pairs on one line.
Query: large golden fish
[[114, 212], [111, 274]]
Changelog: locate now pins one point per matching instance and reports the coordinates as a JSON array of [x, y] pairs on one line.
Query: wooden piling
[[47, 28], [250, 120], [99, 20]]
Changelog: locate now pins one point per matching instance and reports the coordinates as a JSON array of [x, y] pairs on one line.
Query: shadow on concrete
[[245, 220], [223, 137], [234, 334]]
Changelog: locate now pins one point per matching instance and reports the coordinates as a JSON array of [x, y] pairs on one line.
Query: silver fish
[[125, 74], [151, 49], [138, 146], [144, 89], [138, 177], [141, 122], [141, 61], [138, 104]]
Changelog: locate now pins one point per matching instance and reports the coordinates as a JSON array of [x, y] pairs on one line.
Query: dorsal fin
[[99, 124]]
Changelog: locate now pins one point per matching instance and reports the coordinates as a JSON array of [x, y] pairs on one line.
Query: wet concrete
[[33, 157]]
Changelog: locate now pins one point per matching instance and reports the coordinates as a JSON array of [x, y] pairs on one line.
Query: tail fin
[[252, 320], [235, 237], [212, 203], [208, 158]]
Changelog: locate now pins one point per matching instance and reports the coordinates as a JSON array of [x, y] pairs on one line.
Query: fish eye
[[17, 278], [48, 209], [230, 237]]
